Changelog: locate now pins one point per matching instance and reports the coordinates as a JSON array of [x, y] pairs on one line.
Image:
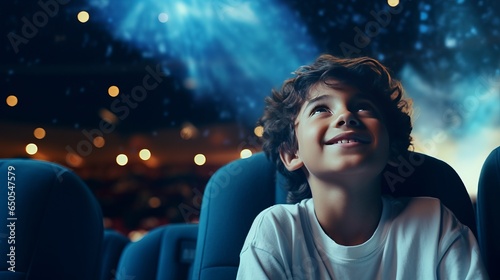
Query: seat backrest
[[237, 192], [165, 253], [422, 175], [112, 248], [53, 224], [488, 213]]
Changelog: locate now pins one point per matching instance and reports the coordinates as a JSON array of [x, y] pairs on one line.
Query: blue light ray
[[232, 50]]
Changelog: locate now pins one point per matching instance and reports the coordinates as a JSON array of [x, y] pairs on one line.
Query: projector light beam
[[232, 50]]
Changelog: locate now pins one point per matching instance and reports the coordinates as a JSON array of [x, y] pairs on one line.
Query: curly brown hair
[[283, 106]]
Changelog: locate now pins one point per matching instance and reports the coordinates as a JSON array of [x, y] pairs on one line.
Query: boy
[[331, 130]]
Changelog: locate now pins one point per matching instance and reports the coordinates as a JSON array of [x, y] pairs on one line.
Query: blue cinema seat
[[58, 227], [165, 253], [237, 192], [488, 213], [112, 247]]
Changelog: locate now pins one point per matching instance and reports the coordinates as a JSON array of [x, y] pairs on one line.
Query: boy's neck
[[348, 214]]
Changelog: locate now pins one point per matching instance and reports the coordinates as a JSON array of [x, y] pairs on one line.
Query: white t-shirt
[[416, 238]]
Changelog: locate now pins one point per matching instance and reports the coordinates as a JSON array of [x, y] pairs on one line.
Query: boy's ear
[[292, 162]]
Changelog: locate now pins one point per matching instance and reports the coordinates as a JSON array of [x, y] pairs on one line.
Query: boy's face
[[339, 132]]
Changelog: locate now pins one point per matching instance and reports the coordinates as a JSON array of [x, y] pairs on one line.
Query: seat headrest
[[57, 222]]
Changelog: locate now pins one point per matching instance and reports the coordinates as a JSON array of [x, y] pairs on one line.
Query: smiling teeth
[[343, 141]]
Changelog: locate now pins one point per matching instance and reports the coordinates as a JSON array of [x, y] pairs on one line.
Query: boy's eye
[[319, 110], [364, 106]]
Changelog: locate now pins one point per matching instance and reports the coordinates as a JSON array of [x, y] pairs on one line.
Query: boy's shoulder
[[419, 213], [286, 214], [415, 207], [288, 220], [414, 202]]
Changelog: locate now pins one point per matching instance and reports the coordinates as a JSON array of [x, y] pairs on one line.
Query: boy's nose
[[348, 119]]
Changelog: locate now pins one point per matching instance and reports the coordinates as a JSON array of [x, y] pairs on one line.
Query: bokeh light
[[39, 133], [11, 100], [393, 3], [258, 131], [145, 154], [99, 142], [200, 159], [122, 159], [163, 17], [31, 149], [113, 91], [83, 16], [154, 202], [136, 235], [108, 116], [245, 153], [188, 131], [74, 160]]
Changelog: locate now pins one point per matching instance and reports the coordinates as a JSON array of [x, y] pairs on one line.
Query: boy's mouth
[[349, 137]]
